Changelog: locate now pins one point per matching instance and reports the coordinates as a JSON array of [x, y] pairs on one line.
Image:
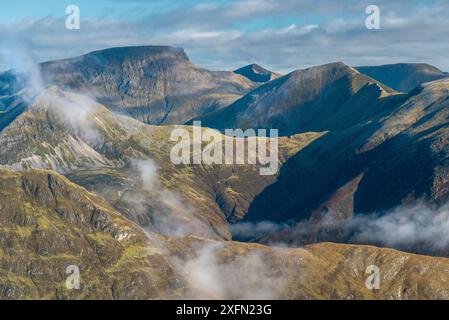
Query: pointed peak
[[256, 73]]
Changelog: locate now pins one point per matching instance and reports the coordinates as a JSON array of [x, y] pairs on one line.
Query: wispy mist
[[214, 273], [169, 213], [416, 228], [26, 73], [75, 110]]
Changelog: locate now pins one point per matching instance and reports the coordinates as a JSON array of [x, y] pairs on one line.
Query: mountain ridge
[[403, 76], [292, 103], [102, 150], [394, 162]]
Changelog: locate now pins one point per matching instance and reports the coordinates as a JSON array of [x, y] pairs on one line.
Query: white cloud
[[214, 34], [408, 227]]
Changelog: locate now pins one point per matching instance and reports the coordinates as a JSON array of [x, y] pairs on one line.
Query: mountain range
[[154, 84], [86, 179]]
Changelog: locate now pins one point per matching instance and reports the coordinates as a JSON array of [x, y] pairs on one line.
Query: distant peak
[[256, 73], [258, 69], [403, 77], [405, 66]]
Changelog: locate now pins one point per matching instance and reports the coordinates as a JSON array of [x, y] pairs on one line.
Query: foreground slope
[[49, 223]]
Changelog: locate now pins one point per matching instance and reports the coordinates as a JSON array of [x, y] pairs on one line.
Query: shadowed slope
[[396, 158], [403, 77]]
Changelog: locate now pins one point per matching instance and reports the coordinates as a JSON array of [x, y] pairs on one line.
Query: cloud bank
[[408, 228], [415, 228], [282, 35]]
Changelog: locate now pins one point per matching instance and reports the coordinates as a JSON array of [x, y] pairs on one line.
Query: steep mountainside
[[394, 159], [256, 73], [403, 77], [113, 155], [154, 84], [328, 97]]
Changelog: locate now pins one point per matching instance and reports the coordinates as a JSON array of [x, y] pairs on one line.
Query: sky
[[282, 35]]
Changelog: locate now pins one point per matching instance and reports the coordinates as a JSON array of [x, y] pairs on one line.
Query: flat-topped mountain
[[403, 77], [154, 84]]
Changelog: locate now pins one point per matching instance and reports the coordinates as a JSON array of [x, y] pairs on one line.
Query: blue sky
[[225, 34], [23, 9]]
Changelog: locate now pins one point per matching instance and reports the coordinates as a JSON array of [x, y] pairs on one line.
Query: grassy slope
[[48, 223]]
